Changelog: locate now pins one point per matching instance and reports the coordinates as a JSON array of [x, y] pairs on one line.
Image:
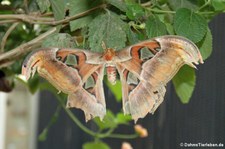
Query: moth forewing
[[144, 68]]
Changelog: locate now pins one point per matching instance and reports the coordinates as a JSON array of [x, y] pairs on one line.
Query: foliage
[[117, 23]]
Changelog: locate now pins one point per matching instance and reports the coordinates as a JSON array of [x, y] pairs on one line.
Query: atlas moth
[[144, 69]]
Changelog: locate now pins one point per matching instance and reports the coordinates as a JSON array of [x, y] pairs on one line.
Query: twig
[[47, 14], [204, 5], [25, 18], [8, 32], [160, 11], [25, 3], [7, 21], [48, 21], [146, 4], [67, 19], [12, 55]]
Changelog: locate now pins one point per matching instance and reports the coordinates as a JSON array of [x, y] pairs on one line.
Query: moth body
[[111, 73], [144, 68]]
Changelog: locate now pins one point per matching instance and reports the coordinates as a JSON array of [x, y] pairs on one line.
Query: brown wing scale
[[170, 53], [142, 93], [69, 80]]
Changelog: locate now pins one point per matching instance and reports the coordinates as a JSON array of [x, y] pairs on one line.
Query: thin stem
[[123, 136], [49, 21], [8, 32], [173, 12], [206, 13], [7, 21], [75, 119], [25, 3], [106, 134], [47, 86], [53, 119], [47, 14], [160, 11], [96, 135], [204, 5], [66, 20], [146, 4]]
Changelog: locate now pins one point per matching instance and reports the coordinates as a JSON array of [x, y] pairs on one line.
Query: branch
[[46, 20], [79, 15], [8, 32], [25, 3], [7, 21], [21, 50]]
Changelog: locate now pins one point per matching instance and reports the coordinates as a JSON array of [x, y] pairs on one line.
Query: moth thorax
[[109, 54], [111, 74]]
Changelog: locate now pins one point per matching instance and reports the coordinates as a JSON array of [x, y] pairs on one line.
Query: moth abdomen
[[111, 74]]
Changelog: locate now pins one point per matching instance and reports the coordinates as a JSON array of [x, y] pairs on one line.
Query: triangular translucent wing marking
[[49, 63], [87, 99], [170, 53], [145, 68], [138, 100]]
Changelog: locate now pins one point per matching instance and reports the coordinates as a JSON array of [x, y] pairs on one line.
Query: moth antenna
[[104, 45]]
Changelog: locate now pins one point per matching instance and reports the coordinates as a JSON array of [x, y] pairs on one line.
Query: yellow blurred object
[[141, 131]]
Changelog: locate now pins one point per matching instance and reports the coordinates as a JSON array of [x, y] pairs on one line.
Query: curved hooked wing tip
[[34, 59], [192, 53]]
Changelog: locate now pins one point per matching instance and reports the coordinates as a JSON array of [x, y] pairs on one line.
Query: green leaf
[[32, 7], [33, 84], [154, 27], [107, 28], [132, 36], [58, 7], [118, 4], [184, 83], [79, 6], [43, 136], [177, 4], [190, 25], [60, 40], [206, 45], [123, 119], [218, 5], [115, 89], [43, 5], [16, 67], [134, 11], [170, 28], [95, 145], [108, 121]]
